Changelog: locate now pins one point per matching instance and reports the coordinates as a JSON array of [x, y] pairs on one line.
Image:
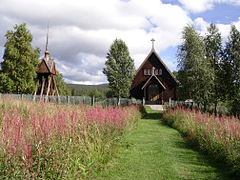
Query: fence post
[[68, 100], [93, 100], [118, 101], [58, 100], [143, 101]]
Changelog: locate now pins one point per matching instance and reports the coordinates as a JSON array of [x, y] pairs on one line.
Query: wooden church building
[[153, 81]]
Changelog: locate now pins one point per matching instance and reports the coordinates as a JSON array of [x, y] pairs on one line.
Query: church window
[[145, 71], [160, 71], [149, 71]]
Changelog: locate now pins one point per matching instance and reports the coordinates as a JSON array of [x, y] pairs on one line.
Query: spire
[[46, 48], [152, 43], [47, 55]]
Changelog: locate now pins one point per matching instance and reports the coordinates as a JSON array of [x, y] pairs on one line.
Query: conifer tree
[[195, 74], [19, 61], [119, 69], [6, 83], [213, 47]]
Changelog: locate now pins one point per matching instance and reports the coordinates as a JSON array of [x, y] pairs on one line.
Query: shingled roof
[[47, 65]]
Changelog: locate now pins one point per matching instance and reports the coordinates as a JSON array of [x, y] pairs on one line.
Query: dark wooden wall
[[140, 79]]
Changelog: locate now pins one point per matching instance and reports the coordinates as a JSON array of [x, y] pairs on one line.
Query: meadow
[[218, 136], [49, 141]]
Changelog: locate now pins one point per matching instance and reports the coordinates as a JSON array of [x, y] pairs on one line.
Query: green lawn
[[153, 150]]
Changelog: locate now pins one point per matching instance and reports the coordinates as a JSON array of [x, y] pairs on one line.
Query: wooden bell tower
[[46, 83]]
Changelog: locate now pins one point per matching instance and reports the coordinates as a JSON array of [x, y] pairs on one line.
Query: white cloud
[[171, 64], [81, 32], [224, 29], [201, 25], [197, 6]]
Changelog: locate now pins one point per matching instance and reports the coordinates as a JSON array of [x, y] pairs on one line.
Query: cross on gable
[[153, 40]]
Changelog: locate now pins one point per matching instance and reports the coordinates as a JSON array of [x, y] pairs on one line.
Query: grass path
[[156, 151]]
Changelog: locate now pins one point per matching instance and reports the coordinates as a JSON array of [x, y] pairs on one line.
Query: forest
[[209, 67]]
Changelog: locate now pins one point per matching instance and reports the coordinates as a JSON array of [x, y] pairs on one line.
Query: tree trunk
[[198, 106], [204, 107], [191, 107], [215, 108]]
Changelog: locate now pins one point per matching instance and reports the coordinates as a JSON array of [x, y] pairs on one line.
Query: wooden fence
[[76, 100], [193, 105]]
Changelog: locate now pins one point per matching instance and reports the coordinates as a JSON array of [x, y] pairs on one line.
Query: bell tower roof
[[47, 64]]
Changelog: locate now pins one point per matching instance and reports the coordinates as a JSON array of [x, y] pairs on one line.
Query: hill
[[88, 90], [87, 87]]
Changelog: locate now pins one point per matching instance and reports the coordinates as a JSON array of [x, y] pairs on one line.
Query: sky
[[82, 31]]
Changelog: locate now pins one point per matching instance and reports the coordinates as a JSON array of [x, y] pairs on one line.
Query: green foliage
[[233, 49], [19, 61], [231, 70], [110, 94], [235, 106], [96, 93], [213, 46], [215, 77], [89, 90], [6, 83], [119, 69], [195, 73], [61, 85]]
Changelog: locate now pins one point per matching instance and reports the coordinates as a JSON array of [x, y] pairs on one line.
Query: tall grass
[[219, 136], [48, 141]]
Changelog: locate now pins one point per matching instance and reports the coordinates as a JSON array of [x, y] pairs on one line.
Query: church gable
[[161, 70], [151, 67]]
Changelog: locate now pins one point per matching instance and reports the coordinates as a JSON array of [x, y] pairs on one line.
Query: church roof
[[47, 64], [161, 61]]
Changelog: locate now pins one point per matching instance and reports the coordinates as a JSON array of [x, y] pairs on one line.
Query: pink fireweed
[[114, 117], [219, 136], [35, 135]]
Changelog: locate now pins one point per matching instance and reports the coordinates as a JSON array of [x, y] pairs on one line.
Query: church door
[[153, 92]]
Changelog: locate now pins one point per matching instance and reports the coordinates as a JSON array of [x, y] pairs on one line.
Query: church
[[153, 81]]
